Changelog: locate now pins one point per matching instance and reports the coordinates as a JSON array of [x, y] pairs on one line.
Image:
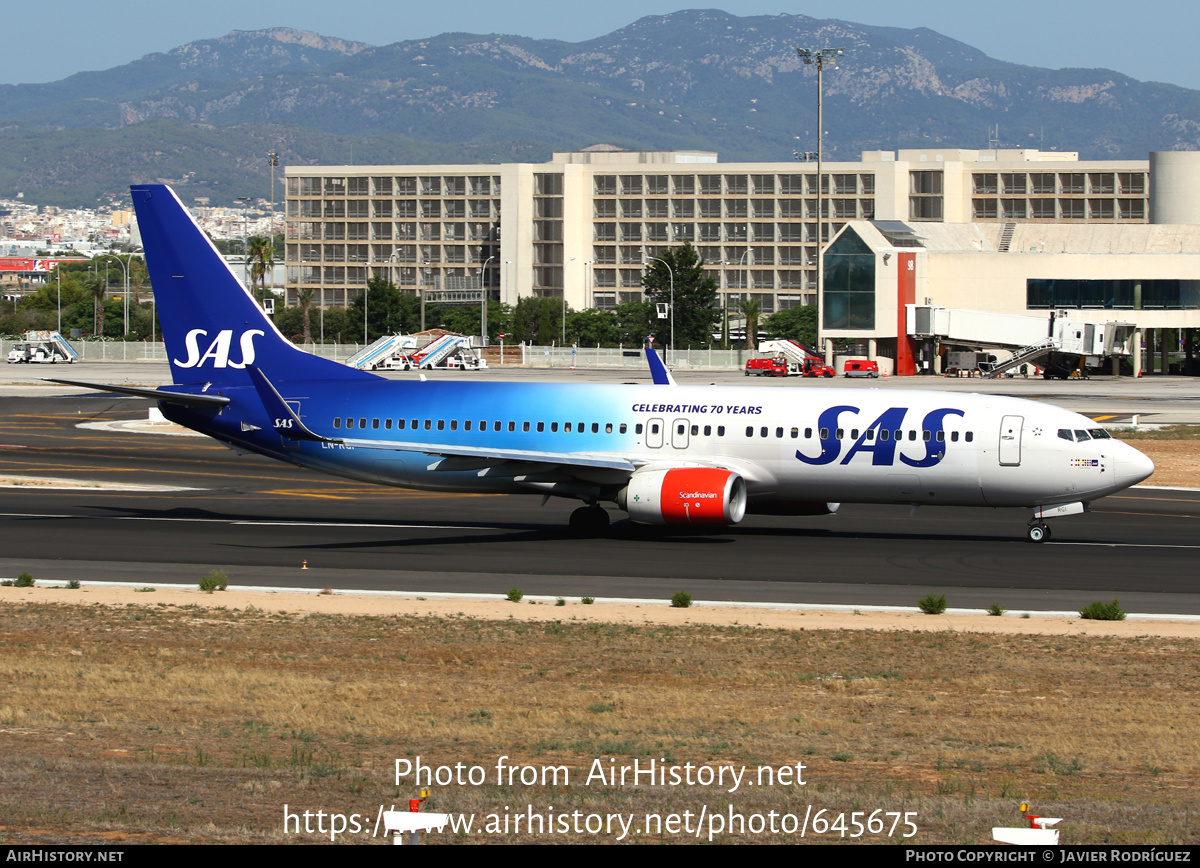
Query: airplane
[[664, 453]]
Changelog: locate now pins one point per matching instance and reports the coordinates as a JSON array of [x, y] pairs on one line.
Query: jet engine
[[684, 495]]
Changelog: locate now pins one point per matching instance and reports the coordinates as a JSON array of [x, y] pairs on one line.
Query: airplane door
[[1010, 440], [654, 433], [679, 433]]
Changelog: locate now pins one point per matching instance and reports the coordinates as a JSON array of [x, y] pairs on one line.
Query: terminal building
[[1019, 231]]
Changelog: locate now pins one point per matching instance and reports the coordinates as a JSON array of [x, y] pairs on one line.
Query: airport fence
[[530, 356]]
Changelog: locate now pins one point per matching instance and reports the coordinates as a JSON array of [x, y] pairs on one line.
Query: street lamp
[[672, 276], [483, 296], [819, 57]]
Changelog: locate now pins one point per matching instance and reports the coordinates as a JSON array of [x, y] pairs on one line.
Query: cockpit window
[[1099, 434], [1082, 436], [1065, 434]]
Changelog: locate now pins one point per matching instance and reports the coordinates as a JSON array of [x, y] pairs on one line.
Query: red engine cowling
[[685, 495]]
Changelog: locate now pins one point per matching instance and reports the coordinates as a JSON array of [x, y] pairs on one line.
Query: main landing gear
[[1038, 532], [589, 521]]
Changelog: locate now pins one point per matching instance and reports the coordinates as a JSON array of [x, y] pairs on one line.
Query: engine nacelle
[[685, 495]]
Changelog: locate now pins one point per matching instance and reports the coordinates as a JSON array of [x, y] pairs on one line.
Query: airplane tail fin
[[211, 324]]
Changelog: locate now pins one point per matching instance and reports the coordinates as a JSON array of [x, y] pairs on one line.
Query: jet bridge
[[1057, 342]]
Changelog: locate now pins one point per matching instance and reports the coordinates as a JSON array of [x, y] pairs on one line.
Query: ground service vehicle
[[772, 367], [861, 368]]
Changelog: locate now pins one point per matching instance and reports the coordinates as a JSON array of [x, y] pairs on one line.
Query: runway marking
[[1124, 545], [250, 523], [1156, 499], [84, 484]]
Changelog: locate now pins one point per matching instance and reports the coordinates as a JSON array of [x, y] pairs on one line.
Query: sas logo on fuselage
[[218, 349], [881, 438]]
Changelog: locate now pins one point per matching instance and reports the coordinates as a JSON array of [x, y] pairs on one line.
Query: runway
[[260, 520]]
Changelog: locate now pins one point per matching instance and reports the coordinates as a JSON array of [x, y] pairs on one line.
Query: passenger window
[[953, 436], [869, 434], [362, 422], [375, 423], [926, 435], [337, 421], [840, 432], [720, 430], [453, 424], [467, 425], [512, 426], [807, 433], [795, 433], [679, 429], [415, 426], [387, 423], [778, 432], [941, 436], [853, 433], [637, 429], [884, 434], [695, 430], [912, 435], [441, 424], [708, 430], [1065, 434], [595, 427], [553, 427], [624, 427], [654, 428], [749, 431], [970, 436], [824, 433], [400, 424], [496, 425], [567, 428], [541, 427], [608, 428], [524, 426]]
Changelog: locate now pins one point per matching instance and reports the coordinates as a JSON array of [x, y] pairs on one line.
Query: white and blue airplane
[[666, 454]]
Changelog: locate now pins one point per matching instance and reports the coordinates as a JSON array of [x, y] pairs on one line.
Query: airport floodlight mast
[[671, 274], [818, 57], [272, 164]]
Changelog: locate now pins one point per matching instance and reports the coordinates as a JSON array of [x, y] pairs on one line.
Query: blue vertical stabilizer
[[213, 328]]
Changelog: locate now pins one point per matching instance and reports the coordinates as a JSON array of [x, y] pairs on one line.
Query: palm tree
[[96, 286], [751, 309], [261, 255], [305, 299]]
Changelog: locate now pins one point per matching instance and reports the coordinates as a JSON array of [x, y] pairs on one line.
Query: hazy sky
[[1150, 40]]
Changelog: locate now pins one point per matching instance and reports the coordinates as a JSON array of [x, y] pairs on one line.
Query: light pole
[[483, 296], [819, 57], [272, 163], [672, 276]]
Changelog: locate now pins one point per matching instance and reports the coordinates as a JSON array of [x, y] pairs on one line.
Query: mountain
[[204, 115]]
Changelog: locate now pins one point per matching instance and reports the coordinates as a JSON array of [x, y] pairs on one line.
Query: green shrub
[[514, 595], [996, 609], [24, 581], [1103, 611], [587, 601], [561, 602], [73, 585], [214, 581], [680, 600], [931, 605]]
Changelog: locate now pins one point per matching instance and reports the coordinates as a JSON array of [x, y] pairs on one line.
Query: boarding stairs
[[437, 351], [376, 353], [1030, 354], [794, 350]]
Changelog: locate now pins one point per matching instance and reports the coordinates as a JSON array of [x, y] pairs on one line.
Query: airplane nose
[[1132, 467]]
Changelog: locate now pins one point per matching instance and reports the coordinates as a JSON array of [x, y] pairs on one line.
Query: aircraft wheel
[[589, 521], [1038, 533]]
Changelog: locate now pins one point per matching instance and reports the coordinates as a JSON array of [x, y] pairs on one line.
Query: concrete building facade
[[582, 226]]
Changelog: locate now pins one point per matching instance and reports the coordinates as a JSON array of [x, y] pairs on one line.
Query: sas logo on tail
[[218, 349]]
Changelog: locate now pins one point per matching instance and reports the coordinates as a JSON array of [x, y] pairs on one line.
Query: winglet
[[283, 419], [662, 377]]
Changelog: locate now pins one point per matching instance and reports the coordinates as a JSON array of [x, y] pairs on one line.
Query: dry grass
[[161, 723]]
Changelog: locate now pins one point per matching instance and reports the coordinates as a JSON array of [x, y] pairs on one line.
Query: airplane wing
[[187, 399]]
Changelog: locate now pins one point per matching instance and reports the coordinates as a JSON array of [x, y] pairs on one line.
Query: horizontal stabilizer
[[187, 399]]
